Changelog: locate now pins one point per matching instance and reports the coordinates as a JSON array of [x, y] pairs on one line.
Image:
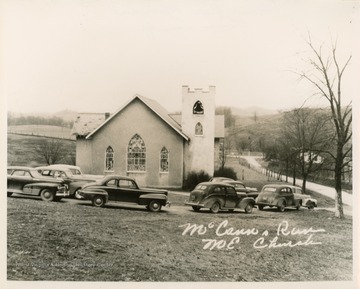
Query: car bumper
[[62, 194], [196, 204]]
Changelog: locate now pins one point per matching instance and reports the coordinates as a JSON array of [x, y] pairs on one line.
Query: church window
[[198, 129], [198, 108], [109, 159], [164, 160], [136, 154]]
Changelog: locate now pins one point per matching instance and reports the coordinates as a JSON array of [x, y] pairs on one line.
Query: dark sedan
[[28, 181], [219, 196], [279, 196], [123, 189]]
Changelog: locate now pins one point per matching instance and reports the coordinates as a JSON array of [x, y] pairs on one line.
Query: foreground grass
[[75, 241]]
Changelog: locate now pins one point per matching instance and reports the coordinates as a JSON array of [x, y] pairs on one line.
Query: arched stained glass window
[[164, 160], [136, 154], [198, 129], [109, 159], [198, 108]]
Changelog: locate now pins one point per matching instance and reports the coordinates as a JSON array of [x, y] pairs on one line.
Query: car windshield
[[35, 173], [76, 172], [269, 189], [201, 187]]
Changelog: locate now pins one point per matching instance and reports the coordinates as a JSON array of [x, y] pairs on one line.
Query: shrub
[[226, 172], [193, 178]]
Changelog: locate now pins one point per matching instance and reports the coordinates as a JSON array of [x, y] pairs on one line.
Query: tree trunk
[[339, 212]]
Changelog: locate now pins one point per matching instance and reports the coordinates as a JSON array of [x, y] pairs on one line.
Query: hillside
[[21, 150], [42, 130]]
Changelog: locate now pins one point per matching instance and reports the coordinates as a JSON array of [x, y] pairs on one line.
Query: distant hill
[[67, 115], [251, 111]]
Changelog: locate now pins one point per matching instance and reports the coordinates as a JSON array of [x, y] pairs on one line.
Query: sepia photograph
[[180, 143]]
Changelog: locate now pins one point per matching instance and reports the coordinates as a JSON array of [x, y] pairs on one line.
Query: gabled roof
[[85, 123], [85, 126]]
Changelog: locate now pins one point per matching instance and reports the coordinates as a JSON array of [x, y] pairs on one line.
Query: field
[[21, 150], [74, 241], [42, 130]]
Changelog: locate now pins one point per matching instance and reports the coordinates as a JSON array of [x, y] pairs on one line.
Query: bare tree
[[52, 151], [305, 137], [326, 77]]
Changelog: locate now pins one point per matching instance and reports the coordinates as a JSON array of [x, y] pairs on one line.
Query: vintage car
[[241, 188], [306, 200], [72, 175], [219, 196], [123, 189], [278, 195], [28, 181], [220, 179]]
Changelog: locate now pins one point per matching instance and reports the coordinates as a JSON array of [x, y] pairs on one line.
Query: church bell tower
[[198, 123]]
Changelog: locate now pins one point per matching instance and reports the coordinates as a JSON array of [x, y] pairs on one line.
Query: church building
[[144, 141]]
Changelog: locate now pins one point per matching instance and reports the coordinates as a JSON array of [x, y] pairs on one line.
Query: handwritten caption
[[227, 237]]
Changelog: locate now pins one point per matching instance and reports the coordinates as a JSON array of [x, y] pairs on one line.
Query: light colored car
[[306, 200], [72, 175]]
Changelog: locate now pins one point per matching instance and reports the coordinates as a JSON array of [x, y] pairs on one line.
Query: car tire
[[248, 209], [154, 206], [196, 208], [215, 208], [98, 201], [298, 207], [260, 207], [47, 195], [281, 208], [311, 206], [9, 194], [57, 199]]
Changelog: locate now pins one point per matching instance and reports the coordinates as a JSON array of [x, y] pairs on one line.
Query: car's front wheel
[[47, 195], [9, 194], [260, 207], [154, 206], [196, 208], [248, 209], [98, 201], [215, 208], [281, 208], [311, 206]]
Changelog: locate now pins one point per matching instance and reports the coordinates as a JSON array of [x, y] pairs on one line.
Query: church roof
[[87, 124]]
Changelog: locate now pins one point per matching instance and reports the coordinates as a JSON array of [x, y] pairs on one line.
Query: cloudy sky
[[94, 55]]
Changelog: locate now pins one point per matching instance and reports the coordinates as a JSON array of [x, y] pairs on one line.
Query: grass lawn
[[72, 240]]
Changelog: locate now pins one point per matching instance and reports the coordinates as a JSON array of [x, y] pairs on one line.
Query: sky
[[95, 55]]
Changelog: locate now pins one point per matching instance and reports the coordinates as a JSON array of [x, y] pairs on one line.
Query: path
[[324, 190]]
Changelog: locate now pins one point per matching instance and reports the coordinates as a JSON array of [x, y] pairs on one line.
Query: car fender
[[36, 188], [280, 201], [89, 194], [210, 201], [147, 198], [245, 201], [75, 185]]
